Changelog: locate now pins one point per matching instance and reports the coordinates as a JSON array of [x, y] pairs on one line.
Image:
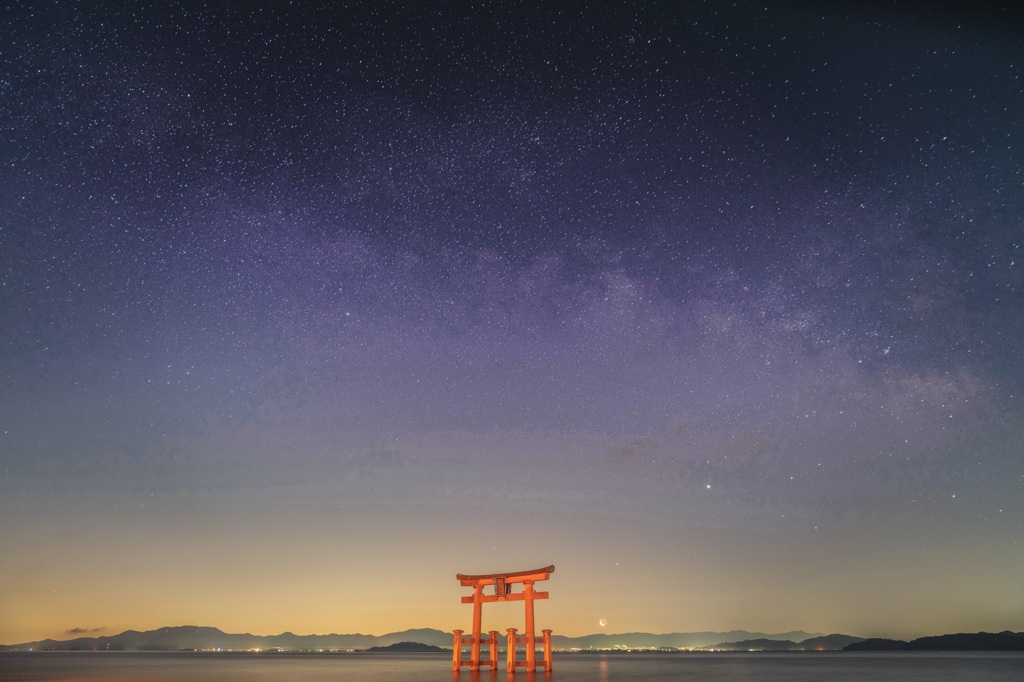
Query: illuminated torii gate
[[503, 583]]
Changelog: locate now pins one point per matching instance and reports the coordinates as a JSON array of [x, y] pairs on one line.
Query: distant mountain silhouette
[[834, 642], [672, 640], [977, 641], [823, 643], [877, 644], [192, 637], [756, 645], [406, 647]]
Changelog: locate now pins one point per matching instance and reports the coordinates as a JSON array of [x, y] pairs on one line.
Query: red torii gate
[[503, 583]]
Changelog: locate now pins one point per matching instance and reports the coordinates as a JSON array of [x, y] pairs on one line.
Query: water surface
[[698, 667]]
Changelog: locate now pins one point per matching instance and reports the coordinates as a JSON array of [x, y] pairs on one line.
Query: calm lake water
[[718, 667]]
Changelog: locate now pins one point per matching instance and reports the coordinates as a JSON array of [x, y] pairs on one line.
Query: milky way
[[698, 295]]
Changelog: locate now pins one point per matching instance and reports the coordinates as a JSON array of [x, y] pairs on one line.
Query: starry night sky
[[305, 308]]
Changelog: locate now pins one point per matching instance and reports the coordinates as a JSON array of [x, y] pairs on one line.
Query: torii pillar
[[503, 583]]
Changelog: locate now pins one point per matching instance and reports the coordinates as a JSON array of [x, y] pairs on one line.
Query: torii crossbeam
[[503, 583]]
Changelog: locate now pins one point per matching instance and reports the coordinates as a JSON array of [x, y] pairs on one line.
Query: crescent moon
[[603, 622]]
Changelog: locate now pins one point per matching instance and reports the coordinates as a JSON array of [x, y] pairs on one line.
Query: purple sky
[[717, 309]]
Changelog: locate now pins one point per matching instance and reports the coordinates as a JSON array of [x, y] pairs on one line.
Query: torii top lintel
[[508, 578]]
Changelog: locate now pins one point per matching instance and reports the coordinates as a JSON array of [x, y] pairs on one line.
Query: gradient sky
[[304, 309]]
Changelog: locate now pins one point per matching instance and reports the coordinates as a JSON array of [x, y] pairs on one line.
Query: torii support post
[[531, 634], [458, 662], [547, 650], [511, 650], [503, 583], [457, 650]]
